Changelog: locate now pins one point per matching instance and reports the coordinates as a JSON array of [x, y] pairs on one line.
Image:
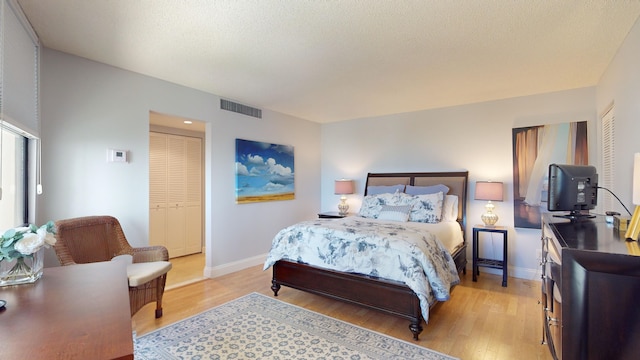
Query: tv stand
[[590, 290], [575, 216]]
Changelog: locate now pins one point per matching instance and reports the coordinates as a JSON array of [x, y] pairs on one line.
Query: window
[[19, 116], [13, 174]]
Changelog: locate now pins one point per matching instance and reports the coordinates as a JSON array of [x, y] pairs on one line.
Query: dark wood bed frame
[[391, 297]]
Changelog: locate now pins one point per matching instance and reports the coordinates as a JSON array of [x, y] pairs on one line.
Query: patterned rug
[[260, 327]]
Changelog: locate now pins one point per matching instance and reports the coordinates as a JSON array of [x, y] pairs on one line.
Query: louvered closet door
[[157, 189], [178, 221], [176, 195], [193, 195]]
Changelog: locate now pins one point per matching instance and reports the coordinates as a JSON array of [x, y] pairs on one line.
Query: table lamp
[[490, 191], [634, 225], [343, 187]]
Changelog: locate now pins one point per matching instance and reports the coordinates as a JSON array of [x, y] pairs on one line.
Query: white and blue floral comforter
[[400, 251]]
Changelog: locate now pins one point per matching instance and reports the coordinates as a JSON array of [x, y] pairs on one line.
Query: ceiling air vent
[[240, 109]]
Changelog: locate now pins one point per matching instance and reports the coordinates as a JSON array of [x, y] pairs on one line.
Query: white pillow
[[450, 208], [427, 208], [395, 213]]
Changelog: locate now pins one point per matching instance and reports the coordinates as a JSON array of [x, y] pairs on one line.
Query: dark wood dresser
[[590, 290]]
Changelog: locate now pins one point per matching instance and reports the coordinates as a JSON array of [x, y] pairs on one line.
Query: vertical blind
[[19, 71], [607, 173]]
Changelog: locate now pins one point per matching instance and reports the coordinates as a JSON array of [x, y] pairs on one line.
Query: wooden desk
[[72, 312]]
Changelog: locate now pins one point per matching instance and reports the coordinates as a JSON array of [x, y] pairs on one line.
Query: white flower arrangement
[[25, 241]]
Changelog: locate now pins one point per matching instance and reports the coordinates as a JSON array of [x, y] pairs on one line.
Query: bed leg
[[416, 329], [275, 287]]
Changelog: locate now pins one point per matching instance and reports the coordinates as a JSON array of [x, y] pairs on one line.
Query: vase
[[23, 270]]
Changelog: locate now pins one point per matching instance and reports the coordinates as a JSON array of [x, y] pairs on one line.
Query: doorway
[[176, 193]]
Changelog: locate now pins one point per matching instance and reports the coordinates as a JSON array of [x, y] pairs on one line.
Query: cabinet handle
[[552, 321]]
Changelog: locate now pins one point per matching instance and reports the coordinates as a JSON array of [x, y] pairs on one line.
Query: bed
[[393, 297]]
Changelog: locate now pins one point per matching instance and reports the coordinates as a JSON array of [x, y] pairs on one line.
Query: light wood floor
[[482, 320], [185, 270]]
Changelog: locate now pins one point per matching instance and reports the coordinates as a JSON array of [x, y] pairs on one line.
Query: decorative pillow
[[395, 213], [425, 190], [372, 204], [427, 208], [450, 208], [384, 189], [401, 198]]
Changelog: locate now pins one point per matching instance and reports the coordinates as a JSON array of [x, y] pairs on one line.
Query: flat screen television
[[572, 188]]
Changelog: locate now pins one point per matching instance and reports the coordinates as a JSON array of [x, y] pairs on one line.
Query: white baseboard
[[224, 269]]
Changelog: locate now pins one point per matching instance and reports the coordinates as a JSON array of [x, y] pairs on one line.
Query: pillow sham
[[450, 208], [372, 204], [425, 190], [384, 189], [427, 208], [395, 213]]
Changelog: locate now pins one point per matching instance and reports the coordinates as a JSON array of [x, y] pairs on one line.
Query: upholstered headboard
[[456, 181]]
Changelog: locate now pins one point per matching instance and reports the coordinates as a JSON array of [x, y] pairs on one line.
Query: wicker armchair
[[100, 238]]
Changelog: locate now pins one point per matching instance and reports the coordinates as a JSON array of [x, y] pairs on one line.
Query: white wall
[[474, 137], [620, 85], [88, 107], [422, 141]]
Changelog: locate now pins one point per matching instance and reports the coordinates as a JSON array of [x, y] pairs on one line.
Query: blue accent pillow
[[385, 189], [426, 190]]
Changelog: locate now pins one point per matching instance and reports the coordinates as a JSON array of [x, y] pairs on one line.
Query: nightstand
[[491, 263], [331, 215]]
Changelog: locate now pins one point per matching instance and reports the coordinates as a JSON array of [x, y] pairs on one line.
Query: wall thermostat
[[114, 155]]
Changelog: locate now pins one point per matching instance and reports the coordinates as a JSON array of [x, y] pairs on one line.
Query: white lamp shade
[[489, 190], [636, 179], [344, 187]]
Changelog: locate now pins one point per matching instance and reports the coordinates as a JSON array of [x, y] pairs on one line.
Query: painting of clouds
[[264, 172]]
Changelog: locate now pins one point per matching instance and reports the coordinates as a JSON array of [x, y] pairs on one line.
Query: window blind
[[608, 157], [19, 70]]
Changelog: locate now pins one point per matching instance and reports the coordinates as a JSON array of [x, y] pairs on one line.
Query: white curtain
[[554, 143]]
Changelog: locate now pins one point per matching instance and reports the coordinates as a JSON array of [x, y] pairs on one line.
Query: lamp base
[[489, 218], [343, 207], [633, 230]]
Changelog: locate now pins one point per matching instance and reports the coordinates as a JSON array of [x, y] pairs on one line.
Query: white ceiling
[[334, 60]]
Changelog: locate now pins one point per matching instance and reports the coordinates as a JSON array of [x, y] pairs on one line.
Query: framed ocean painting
[[264, 172]]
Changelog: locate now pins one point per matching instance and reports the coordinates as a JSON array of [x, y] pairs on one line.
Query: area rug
[[261, 327]]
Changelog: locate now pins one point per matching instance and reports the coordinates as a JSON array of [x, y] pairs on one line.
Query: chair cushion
[[140, 273], [128, 259]]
